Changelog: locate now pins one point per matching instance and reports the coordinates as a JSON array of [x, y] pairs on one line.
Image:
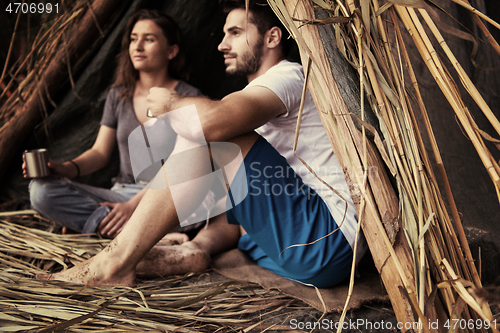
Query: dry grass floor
[[205, 302]]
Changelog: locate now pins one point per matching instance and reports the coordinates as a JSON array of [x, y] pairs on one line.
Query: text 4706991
[[31, 8]]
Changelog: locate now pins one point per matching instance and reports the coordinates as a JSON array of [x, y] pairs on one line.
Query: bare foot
[[159, 261], [173, 260], [173, 238], [95, 271]]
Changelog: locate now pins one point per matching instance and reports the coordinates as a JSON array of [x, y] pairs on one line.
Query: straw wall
[[428, 272]]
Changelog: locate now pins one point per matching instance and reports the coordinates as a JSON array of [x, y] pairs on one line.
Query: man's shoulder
[[286, 67], [283, 74], [286, 81]]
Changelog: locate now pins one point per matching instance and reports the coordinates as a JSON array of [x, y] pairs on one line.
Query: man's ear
[[173, 51], [273, 37]]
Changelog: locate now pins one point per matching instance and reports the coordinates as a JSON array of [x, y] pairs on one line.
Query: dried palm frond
[[439, 278], [191, 303], [45, 45]]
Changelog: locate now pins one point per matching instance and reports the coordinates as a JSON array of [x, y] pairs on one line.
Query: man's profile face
[[242, 44]]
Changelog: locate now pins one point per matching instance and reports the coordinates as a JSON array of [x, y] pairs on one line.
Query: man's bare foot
[[173, 238], [160, 261], [173, 260], [94, 271]]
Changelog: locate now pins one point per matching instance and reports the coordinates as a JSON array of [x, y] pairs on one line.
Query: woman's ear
[[173, 51], [273, 37]]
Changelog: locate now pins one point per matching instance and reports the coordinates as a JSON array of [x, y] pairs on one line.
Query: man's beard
[[249, 62]]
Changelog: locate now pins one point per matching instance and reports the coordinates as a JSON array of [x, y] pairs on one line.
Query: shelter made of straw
[[429, 80]]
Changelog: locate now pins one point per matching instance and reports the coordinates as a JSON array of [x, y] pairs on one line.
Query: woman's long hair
[[126, 74]]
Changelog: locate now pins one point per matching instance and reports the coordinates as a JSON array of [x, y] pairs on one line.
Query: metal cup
[[36, 163]]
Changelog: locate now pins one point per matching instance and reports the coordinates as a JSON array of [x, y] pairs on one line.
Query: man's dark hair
[[263, 18]]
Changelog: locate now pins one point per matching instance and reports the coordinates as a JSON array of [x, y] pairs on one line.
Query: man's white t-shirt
[[286, 80]]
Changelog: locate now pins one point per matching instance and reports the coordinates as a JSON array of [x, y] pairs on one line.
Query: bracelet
[[76, 166]]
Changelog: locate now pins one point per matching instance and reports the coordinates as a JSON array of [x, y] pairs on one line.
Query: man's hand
[[160, 100], [114, 222]]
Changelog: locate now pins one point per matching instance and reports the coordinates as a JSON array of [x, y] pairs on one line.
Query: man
[[290, 222]]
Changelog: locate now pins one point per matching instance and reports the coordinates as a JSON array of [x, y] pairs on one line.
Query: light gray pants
[[74, 205]]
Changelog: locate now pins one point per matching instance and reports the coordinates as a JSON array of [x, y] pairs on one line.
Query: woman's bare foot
[[173, 260], [95, 271], [173, 238]]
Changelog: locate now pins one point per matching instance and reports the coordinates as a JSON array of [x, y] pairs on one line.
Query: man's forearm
[[192, 126], [220, 120], [192, 123]]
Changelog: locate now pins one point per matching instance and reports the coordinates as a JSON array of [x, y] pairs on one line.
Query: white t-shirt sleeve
[[285, 80]]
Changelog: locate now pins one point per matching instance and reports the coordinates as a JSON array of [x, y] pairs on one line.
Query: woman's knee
[[41, 192]]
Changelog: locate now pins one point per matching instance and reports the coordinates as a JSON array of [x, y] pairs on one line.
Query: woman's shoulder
[[115, 91], [185, 89], [116, 102]]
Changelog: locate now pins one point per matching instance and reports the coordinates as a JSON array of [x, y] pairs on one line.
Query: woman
[[151, 56]]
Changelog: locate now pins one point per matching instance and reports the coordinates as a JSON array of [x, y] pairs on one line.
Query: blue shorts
[[281, 212]]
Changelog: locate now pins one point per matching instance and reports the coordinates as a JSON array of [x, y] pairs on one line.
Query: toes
[[174, 238]]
